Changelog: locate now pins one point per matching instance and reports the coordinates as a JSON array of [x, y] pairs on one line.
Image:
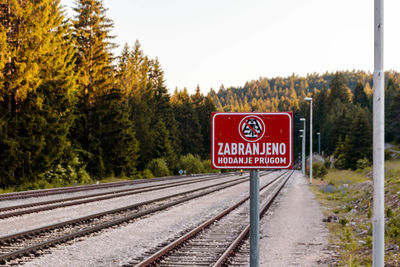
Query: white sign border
[[259, 114]]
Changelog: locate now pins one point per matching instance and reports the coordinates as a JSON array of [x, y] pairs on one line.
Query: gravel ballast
[[113, 247], [34, 220], [7, 203]]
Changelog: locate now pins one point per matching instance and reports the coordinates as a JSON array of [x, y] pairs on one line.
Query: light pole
[[302, 148], [319, 143], [303, 163], [378, 220], [310, 99]]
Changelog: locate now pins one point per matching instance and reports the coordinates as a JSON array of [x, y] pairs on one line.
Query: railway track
[[22, 209], [214, 242], [33, 241], [72, 189]]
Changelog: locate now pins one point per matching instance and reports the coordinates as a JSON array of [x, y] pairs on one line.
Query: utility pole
[[310, 99], [303, 148], [378, 140]]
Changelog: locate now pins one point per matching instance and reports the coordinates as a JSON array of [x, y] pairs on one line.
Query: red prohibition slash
[[245, 121]]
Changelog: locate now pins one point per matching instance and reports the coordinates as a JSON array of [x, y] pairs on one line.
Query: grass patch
[[340, 177], [348, 196], [113, 179]]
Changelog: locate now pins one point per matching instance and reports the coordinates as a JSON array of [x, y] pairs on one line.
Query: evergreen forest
[[72, 112]]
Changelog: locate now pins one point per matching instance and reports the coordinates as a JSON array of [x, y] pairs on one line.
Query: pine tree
[[162, 147], [360, 97], [339, 89], [37, 90], [119, 146], [94, 67], [203, 106], [320, 108], [342, 153], [395, 117], [360, 138], [188, 123], [392, 89], [163, 109]]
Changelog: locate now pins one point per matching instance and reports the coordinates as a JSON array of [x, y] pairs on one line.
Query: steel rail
[[66, 202], [20, 252], [62, 190], [245, 233], [179, 242]]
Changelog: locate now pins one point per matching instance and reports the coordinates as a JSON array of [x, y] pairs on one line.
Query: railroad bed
[[215, 241], [28, 245], [72, 189]]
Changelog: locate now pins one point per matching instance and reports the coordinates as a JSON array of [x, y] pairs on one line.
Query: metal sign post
[[252, 140], [254, 218]]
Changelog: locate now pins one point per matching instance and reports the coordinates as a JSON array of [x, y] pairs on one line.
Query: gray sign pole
[[254, 218], [378, 140]]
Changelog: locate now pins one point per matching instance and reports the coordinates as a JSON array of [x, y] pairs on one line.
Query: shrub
[[146, 173], [362, 163], [388, 154], [158, 167], [319, 169], [60, 175], [393, 225], [190, 163], [340, 162], [207, 166], [327, 163]]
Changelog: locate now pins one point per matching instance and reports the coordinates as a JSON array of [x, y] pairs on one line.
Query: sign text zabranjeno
[[252, 140]]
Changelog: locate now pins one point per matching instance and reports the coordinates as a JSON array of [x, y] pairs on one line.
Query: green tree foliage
[[334, 104], [394, 119], [162, 147], [92, 34], [203, 106], [133, 78], [142, 81], [158, 167], [188, 123], [37, 90], [360, 137], [391, 110], [64, 106], [114, 130], [342, 153], [191, 164], [339, 90], [360, 97], [104, 127]]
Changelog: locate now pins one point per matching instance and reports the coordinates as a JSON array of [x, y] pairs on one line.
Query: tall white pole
[[311, 141], [311, 135], [304, 148], [378, 139]]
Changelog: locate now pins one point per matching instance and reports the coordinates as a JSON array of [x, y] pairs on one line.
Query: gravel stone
[[34, 220], [116, 246]]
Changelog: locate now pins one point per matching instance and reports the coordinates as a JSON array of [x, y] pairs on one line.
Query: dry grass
[[350, 199]]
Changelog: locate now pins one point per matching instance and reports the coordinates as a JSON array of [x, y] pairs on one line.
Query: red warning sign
[[252, 140]]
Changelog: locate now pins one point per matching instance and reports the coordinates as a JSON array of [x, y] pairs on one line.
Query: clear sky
[[214, 42]]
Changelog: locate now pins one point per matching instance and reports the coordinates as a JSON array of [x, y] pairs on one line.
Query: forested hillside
[[72, 111], [342, 109]]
